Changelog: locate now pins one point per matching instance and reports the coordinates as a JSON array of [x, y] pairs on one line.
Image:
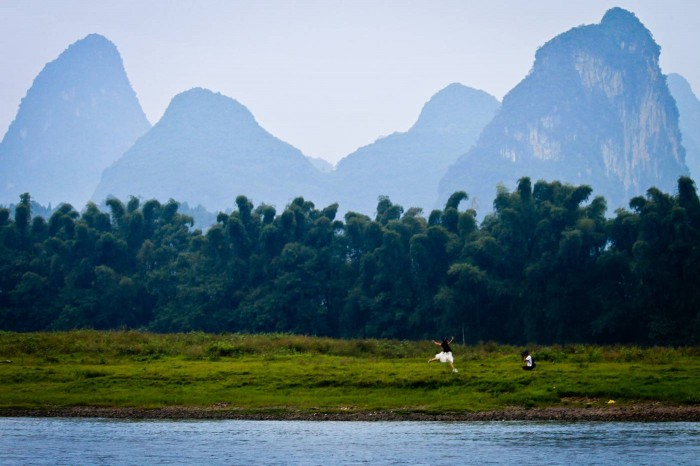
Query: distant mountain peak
[[619, 18], [679, 81], [92, 55], [79, 115], [200, 94], [631, 39], [629, 30], [198, 103], [448, 125], [92, 40], [207, 149], [448, 108]]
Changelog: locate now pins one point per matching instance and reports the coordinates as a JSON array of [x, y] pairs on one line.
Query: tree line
[[546, 266]]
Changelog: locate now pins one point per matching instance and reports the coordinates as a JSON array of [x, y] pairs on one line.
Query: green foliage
[[545, 267]]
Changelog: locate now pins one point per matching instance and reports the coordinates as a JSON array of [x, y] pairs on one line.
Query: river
[[116, 442]]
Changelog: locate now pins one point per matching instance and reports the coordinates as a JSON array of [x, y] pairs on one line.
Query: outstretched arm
[[436, 343], [451, 340]]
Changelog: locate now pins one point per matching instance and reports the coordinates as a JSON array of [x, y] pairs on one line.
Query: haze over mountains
[[689, 110], [407, 167], [595, 109], [79, 116], [207, 149]]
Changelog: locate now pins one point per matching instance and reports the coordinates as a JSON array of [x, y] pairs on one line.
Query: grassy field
[[280, 373]]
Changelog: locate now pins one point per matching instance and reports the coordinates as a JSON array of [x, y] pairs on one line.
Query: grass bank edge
[[310, 374]]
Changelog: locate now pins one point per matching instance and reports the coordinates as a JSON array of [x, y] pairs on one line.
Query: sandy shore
[[641, 412]]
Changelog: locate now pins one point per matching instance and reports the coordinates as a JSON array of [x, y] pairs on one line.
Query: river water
[[116, 442]]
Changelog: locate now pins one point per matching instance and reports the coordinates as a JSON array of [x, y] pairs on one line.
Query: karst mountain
[[206, 150], [595, 109], [78, 117], [406, 167]]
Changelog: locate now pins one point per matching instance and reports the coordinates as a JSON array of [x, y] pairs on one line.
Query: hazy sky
[[325, 76]]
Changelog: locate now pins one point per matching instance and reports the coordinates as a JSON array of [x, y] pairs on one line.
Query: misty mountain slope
[[689, 111], [595, 109], [408, 166], [207, 149], [320, 164], [78, 117]]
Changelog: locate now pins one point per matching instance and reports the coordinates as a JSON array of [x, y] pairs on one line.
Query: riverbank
[[637, 412], [201, 376]]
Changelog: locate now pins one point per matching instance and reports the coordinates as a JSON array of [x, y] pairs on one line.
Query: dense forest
[[547, 266]]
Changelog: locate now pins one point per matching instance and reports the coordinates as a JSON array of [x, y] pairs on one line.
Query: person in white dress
[[446, 354]]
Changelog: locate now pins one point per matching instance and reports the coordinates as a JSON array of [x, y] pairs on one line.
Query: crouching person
[[527, 359]]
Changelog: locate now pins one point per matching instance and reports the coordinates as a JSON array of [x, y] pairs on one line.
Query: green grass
[[299, 373]]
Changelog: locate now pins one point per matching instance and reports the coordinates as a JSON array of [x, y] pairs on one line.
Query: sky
[[327, 76]]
